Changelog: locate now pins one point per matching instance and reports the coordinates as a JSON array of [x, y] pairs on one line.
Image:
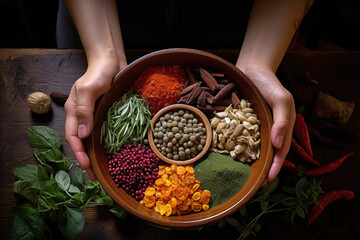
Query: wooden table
[[23, 71]]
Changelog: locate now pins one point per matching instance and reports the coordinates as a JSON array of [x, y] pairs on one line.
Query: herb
[[127, 121], [47, 192], [271, 198]]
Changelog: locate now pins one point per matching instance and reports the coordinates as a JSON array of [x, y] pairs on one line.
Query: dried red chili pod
[[299, 150], [288, 164], [325, 199], [328, 167], [301, 133]]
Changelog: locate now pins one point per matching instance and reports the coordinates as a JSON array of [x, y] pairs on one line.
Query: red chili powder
[[161, 85]]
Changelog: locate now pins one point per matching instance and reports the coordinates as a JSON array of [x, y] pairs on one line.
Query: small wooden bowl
[[201, 118], [123, 83]]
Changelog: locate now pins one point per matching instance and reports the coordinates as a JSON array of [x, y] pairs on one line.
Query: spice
[[328, 167], [301, 133], [134, 168], [288, 164], [126, 121], [161, 85], [59, 98], [302, 153], [208, 79], [39, 102], [179, 135], [236, 133], [176, 191], [222, 175], [325, 199]]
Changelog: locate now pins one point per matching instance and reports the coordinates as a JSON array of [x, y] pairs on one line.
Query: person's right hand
[[79, 107]]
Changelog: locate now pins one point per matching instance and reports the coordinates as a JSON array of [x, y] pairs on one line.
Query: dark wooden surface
[[23, 71]]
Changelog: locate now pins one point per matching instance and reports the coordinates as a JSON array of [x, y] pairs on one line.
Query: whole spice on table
[[179, 135], [133, 168], [328, 167], [223, 176], [302, 153], [176, 191], [326, 140], [39, 102], [59, 98], [126, 121], [161, 85], [301, 133], [288, 164], [325, 199]]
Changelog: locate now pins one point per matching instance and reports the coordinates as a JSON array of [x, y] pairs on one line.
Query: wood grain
[[25, 70]]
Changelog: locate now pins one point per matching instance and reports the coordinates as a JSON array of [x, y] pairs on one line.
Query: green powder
[[221, 175]]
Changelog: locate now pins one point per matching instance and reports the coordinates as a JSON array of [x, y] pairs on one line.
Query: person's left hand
[[282, 104]]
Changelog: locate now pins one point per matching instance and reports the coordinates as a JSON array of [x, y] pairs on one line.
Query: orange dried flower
[[176, 192]]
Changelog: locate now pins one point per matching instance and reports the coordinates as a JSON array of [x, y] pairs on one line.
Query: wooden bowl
[[201, 118], [124, 81]]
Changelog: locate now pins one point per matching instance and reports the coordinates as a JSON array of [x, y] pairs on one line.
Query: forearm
[[271, 27], [99, 29]]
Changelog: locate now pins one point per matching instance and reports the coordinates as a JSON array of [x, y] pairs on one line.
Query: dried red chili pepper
[[301, 133], [299, 150], [325, 199], [288, 164], [328, 167]]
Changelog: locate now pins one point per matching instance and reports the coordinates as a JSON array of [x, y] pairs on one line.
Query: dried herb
[[127, 121]]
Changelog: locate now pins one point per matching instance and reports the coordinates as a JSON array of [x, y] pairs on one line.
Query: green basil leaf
[[51, 156], [71, 223], [300, 212], [73, 189], [274, 185], [257, 227], [46, 204], [287, 189], [26, 190], [63, 179], [20, 230], [78, 177], [42, 137], [119, 212], [31, 220], [289, 201], [42, 173], [264, 205], [243, 210], [302, 185], [27, 172], [232, 222], [279, 197]]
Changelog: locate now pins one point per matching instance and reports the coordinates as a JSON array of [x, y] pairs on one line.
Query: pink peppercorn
[[134, 168]]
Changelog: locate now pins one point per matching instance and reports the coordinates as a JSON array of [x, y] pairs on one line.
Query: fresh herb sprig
[[126, 121], [48, 193], [294, 198]]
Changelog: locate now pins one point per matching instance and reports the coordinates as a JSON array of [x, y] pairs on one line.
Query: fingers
[[71, 135], [281, 133]]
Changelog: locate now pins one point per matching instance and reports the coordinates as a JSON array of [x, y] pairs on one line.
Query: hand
[[283, 107], [79, 107]]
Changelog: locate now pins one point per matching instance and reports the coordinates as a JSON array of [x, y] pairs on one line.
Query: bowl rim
[[202, 218], [201, 117]]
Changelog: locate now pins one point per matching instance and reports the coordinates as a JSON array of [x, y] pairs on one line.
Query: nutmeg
[[59, 98], [39, 102]]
